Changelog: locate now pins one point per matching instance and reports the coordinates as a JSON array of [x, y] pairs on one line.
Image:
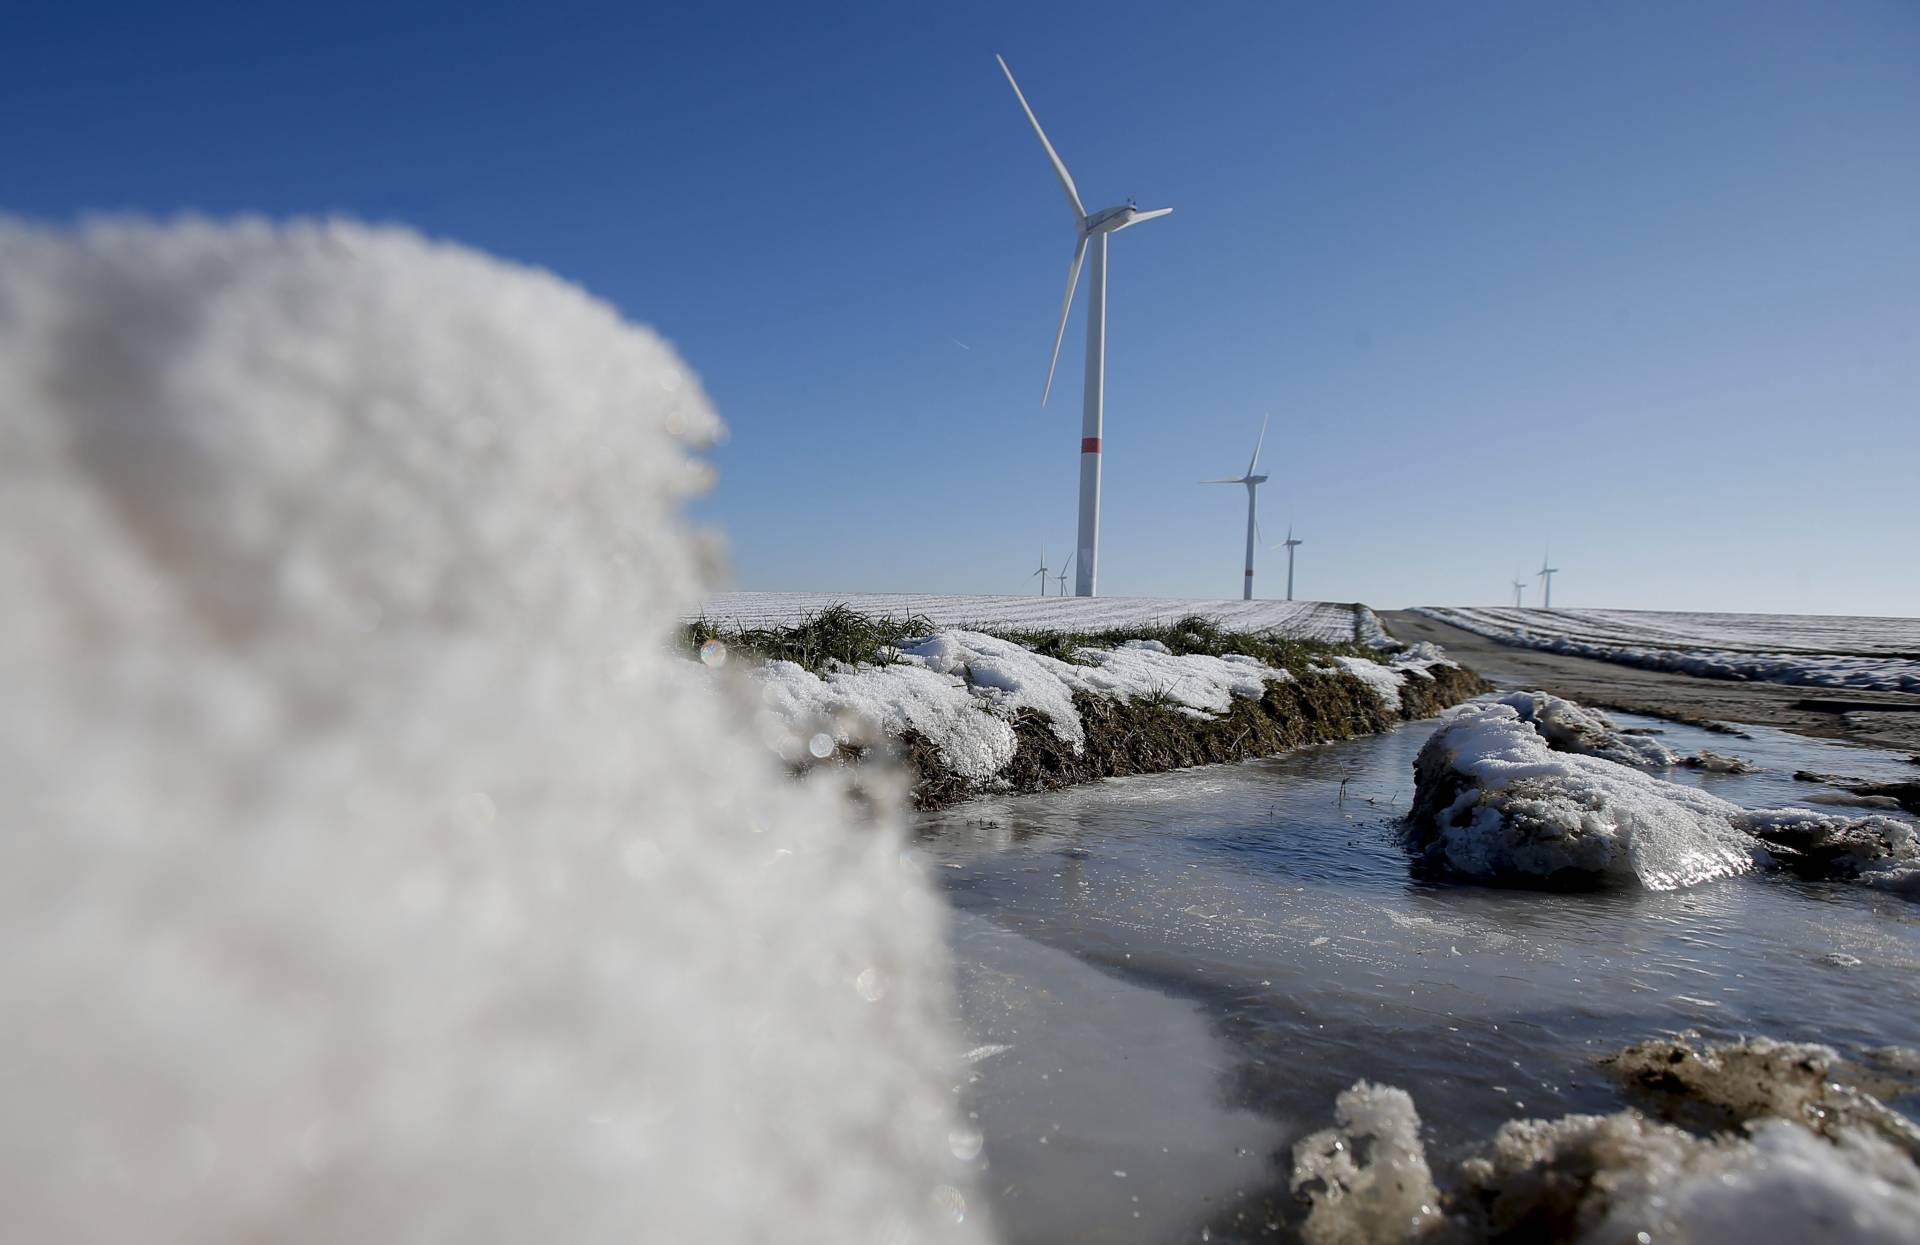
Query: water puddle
[[1201, 961]]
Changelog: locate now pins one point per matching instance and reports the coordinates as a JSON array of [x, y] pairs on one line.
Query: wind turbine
[[1062, 576], [1519, 590], [1252, 482], [1546, 577], [1290, 544], [1088, 228], [1042, 572]]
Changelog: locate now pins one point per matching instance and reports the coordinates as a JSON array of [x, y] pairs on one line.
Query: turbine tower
[[1088, 228], [1290, 544], [1252, 482], [1062, 576], [1519, 590], [1546, 577], [1042, 572]]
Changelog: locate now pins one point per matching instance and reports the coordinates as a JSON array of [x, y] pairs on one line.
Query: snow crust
[[1494, 800], [960, 689], [370, 871], [1305, 620], [1808, 651]]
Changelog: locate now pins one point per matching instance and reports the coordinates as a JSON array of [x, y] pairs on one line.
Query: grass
[[1195, 635], [841, 634], [835, 634]]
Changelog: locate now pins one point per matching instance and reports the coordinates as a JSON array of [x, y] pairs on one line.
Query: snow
[[1305, 620], [1382, 680], [960, 689], [1812, 651], [1569, 727], [370, 869], [1494, 800]]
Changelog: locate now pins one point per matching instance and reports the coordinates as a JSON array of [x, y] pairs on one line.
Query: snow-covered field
[[1306, 620], [1801, 649]]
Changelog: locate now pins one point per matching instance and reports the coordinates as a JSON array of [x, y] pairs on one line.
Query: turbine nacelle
[[1114, 219]]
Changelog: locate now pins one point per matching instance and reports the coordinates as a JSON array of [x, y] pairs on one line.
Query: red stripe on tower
[[1089, 445]]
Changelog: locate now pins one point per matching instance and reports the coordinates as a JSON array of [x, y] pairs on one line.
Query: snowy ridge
[[960, 689], [1303, 620], [1810, 651]]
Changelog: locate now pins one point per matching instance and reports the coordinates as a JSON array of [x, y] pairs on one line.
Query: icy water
[[1169, 978]]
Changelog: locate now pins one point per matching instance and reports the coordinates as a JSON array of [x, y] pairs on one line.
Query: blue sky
[[1642, 280]]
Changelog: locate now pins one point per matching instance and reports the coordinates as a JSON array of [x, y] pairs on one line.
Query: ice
[[1812, 651], [370, 871]]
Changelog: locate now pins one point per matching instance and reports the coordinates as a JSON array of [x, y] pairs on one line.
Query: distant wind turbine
[[1087, 228], [1062, 576], [1546, 577], [1290, 544], [1042, 572], [1519, 590], [1252, 482]]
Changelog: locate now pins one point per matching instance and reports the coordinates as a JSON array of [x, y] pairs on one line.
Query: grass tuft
[[836, 634]]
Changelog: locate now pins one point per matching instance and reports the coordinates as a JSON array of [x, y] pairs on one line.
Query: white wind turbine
[[1092, 228], [1042, 573], [1546, 577], [1519, 590], [1062, 576], [1290, 544], [1252, 482]]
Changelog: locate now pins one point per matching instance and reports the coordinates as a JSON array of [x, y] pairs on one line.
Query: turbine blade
[[1066, 178], [1068, 562], [1228, 480], [1140, 216], [1255, 461], [1066, 308]]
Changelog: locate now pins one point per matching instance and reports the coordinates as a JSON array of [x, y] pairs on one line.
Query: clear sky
[[1639, 279]]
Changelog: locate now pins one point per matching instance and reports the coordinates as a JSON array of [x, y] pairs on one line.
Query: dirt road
[[1882, 719]]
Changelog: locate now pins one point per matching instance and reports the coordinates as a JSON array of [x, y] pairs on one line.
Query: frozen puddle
[[1205, 960], [1103, 1104]]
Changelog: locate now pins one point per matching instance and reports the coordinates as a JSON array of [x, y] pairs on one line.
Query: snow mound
[[1570, 727], [370, 870], [1777, 1171], [1623, 1180], [1366, 1178], [1492, 801]]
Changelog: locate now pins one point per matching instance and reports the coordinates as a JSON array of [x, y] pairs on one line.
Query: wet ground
[[1888, 720], [1169, 978]]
